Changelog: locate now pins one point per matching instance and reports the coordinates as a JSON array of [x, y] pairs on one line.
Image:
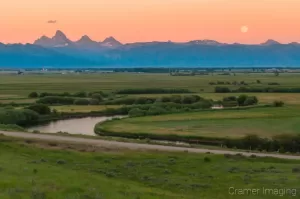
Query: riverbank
[[77, 125]]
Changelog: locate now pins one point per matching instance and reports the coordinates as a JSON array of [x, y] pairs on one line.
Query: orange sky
[[149, 20]]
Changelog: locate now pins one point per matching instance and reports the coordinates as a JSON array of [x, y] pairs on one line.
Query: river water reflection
[[84, 126]]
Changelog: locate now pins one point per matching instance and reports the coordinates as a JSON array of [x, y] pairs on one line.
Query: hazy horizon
[[143, 21]]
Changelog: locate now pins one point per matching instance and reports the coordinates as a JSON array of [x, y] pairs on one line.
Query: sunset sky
[[152, 20]]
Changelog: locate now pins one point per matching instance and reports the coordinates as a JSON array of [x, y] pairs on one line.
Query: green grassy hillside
[[59, 171]]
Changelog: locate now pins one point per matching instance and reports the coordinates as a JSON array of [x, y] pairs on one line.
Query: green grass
[[11, 127], [264, 122], [28, 172]]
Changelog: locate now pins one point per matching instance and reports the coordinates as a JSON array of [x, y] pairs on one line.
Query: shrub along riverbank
[[97, 99], [39, 113]]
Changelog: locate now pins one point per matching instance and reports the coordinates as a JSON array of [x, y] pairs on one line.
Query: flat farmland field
[[22, 85]]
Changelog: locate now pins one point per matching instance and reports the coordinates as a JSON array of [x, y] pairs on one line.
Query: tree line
[[220, 89], [153, 91], [83, 94]]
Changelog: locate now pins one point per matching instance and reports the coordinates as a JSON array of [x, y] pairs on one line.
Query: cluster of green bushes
[[219, 89], [95, 98], [65, 94], [18, 116], [179, 99], [80, 94], [156, 108], [167, 108], [131, 101], [185, 99], [278, 103], [256, 90], [242, 100], [40, 109], [161, 108], [51, 100], [281, 143], [153, 91], [273, 83], [56, 100], [228, 83]]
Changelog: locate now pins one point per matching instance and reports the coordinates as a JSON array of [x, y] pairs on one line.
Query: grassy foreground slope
[[28, 172], [265, 122]]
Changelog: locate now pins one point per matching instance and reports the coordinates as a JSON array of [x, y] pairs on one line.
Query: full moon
[[244, 29]]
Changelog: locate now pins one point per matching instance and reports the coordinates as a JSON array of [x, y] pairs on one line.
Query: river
[[84, 126]]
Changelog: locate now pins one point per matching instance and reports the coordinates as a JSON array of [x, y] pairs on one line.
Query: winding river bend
[[84, 126]]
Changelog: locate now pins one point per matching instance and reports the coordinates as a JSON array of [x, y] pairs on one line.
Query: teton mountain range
[[61, 40], [59, 51]]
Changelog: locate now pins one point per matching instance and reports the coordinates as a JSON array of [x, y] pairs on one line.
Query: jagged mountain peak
[[58, 40], [270, 42], [111, 42], [86, 41], [85, 38], [108, 39], [60, 33], [61, 37]]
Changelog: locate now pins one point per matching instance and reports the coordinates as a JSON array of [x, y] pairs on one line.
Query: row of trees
[[166, 108], [280, 143], [242, 100], [179, 99], [80, 94], [83, 94], [228, 83], [219, 89], [95, 100], [153, 91]]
